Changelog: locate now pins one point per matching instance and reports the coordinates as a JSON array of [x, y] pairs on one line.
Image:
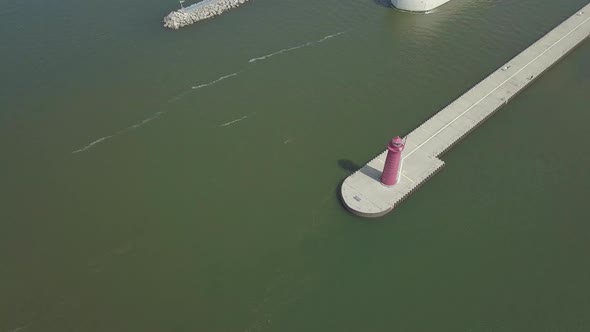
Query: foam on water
[[178, 97], [152, 117], [142, 122], [21, 328], [264, 57], [93, 143], [132, 127], [197, 87], [216, 81], [285, 50], [234, 121]]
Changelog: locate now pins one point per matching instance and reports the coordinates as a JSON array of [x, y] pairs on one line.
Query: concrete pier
[[362, 192]]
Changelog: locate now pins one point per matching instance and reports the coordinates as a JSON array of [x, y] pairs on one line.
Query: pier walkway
[[362, 192]]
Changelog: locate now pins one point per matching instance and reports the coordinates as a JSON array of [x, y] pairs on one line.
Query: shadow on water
[[383, 3], [348, 165]]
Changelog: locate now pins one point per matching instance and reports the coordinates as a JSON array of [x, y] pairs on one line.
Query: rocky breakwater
[[199, 11]]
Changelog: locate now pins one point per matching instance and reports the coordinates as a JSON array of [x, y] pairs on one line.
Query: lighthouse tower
[[392, 167]]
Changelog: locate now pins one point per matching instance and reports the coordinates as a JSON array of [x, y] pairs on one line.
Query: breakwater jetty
[[364, 192], [198, 12]]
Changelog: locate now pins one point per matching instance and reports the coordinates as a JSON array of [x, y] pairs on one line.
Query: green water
[[216, 208]]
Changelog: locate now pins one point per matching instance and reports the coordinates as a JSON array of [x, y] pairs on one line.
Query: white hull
[[417, 5]]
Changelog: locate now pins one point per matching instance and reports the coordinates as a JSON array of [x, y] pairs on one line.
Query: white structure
[[417, 5]]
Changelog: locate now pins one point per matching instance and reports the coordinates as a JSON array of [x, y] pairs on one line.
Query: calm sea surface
[[156, 180]]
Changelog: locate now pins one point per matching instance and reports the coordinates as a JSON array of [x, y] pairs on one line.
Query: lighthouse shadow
[[351, 166], [348, 165], [371, 172]]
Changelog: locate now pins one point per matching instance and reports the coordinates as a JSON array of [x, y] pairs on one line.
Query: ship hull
[[417, 5]]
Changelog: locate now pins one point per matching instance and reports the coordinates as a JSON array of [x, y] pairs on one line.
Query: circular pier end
[[359, 204]]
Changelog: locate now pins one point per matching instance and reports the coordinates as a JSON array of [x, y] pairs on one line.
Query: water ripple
[[200, 86]]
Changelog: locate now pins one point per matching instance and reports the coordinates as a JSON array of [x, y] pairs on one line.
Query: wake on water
[[132, 127], [158, 114], [264, 57], [216, 81], [93, 143], [151, 118], [234, 121]]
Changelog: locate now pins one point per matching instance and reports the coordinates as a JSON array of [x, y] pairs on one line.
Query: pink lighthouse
[[392, 163]]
